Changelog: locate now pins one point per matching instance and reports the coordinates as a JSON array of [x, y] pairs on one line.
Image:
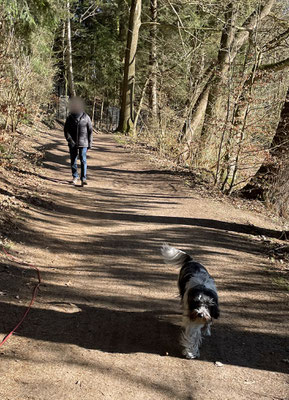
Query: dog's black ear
[[214, 311]]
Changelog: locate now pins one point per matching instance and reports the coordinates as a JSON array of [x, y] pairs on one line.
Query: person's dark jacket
[[78, 130]]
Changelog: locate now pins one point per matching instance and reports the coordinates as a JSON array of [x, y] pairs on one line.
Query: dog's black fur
[[199, 299], [198, 295]]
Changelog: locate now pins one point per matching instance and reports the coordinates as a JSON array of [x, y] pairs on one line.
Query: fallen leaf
[[219, 364]]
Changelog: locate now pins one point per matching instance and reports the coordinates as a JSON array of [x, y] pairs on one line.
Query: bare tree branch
[[91, 11], [278, 66]]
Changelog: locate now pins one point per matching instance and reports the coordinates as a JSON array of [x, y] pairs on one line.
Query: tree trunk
[[279, 149], [126, 123], [93, 111], [194, 104], [122, 36], [215, 106], [70, 77], [153, 102], [230, 44], [101, 114], [64, 58], [192, 125], [140, 105], [204, 112]]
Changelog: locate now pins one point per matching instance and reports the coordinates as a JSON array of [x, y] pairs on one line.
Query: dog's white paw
[[190, 355]]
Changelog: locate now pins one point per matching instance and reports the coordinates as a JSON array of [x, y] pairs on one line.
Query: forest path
[[105, 324]]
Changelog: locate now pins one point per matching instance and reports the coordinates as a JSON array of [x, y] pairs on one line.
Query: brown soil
[[106, 322]]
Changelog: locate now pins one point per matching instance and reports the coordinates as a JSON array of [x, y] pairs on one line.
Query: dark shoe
[[83, 182]]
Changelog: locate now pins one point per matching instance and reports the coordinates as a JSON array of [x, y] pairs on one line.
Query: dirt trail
[[105, 325]]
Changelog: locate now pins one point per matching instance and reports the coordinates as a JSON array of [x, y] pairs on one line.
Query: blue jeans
[[74, 153]]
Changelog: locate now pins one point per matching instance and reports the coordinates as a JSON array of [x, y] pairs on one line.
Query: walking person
[[78, 133]]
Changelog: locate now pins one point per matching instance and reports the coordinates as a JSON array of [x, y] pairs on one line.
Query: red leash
[[34, 293]]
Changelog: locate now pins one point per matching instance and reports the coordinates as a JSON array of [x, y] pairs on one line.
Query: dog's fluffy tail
[[174, 256]]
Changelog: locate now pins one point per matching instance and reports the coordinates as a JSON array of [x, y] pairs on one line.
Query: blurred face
[[76, 105]]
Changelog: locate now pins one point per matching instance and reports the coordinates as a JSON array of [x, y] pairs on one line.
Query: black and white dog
[[199, 299]]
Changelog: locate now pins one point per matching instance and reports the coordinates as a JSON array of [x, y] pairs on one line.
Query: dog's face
[[202, 307]]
